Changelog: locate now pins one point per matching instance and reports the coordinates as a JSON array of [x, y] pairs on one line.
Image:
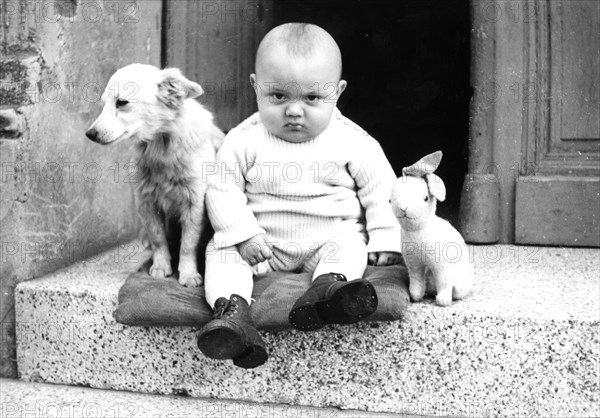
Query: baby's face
[[296, 96]]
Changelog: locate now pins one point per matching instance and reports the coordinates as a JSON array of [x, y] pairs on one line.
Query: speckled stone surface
[[26, 399], [526, 343]]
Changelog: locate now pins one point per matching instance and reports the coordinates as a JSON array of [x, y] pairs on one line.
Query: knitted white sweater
[[267, 185]]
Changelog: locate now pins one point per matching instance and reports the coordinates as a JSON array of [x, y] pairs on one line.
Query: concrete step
[[525, 344], [26, 399]]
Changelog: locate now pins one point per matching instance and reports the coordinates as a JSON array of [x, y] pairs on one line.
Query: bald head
[[299, 40]]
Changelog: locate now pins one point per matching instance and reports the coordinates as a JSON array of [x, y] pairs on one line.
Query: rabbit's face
[[411, 201]]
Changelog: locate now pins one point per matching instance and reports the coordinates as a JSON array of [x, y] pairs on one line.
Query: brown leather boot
[[232, 335], [333, 300]]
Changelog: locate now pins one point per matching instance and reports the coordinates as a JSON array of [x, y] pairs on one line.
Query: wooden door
[[558, 190], [214, 43]]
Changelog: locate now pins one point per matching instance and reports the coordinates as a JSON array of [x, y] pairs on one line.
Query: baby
[[300, 188]]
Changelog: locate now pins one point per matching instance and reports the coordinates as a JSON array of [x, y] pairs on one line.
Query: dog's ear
[[173, 88]]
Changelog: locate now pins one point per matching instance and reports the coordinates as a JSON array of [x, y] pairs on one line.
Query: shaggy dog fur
[[176, 142]]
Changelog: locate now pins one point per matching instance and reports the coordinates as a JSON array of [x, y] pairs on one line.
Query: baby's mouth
[[292, 125]]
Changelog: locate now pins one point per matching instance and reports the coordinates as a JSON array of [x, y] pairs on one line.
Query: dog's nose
[[92, 134]]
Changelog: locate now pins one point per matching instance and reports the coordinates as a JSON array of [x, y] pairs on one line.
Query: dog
[[175, 141]]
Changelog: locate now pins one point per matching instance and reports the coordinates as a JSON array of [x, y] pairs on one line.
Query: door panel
[[558, 192], [558, 211], [573, 143], [578, 73]]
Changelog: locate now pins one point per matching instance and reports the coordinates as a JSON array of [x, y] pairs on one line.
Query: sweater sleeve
[[374, 178], [226, 201]]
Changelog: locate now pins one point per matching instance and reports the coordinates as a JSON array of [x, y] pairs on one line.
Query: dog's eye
[[121, 103], [426, 198]]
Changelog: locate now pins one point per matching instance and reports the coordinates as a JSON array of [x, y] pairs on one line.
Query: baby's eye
[[278, 96], [312, 98], [121, 103]]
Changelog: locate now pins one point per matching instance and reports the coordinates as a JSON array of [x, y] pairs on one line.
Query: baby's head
[[297, 80]]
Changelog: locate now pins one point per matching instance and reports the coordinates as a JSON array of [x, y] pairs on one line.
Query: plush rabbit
[[435, 253]]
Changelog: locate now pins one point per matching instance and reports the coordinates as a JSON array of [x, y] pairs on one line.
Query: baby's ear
[[173, 88], [436, 186], [255, 86]]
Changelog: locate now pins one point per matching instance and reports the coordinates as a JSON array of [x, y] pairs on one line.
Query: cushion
[[147, 301]]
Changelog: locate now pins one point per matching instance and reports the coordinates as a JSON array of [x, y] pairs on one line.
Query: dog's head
[[140, 101]]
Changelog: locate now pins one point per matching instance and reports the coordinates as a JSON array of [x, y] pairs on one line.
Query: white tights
[[226, 273]]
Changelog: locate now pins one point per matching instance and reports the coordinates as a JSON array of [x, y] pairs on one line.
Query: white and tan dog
[[176, 140]]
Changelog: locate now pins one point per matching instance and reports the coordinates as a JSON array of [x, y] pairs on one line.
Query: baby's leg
[[338, 294], [226, 274], [231, 335], [345, 254]]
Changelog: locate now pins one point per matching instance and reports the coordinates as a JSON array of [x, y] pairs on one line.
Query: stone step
[[27, 399], [526, 343]]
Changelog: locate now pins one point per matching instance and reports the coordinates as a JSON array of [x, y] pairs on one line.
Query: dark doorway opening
[[407, 67]]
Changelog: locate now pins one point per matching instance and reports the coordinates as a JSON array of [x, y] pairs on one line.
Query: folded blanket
[[146, 301]]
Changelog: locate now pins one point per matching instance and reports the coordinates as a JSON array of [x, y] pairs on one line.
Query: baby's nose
[[293, 109]]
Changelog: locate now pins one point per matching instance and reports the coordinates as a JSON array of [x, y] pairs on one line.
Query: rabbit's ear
[[436, 186], [427, 164]]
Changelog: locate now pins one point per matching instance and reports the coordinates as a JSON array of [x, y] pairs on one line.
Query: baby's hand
[[385, 258], [255, 250]]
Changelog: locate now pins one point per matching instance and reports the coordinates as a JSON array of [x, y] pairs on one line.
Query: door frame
[[507, 195]]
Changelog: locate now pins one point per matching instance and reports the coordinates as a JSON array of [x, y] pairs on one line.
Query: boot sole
[[348, 305], [220, 343], [253, 357], [223, 343], [255, 353]]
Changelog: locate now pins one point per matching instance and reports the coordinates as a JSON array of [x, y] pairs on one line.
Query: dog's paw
[[160, 272], [190, 280], [443, 300], [416, 292], [416, 298]]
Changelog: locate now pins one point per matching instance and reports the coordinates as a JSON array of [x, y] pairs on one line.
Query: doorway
[[407, 66], [406, 62]]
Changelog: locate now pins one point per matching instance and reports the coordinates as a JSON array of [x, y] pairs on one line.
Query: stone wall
[[63, 198]]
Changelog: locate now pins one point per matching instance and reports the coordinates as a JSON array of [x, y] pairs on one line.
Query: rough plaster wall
[[62, 197]]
